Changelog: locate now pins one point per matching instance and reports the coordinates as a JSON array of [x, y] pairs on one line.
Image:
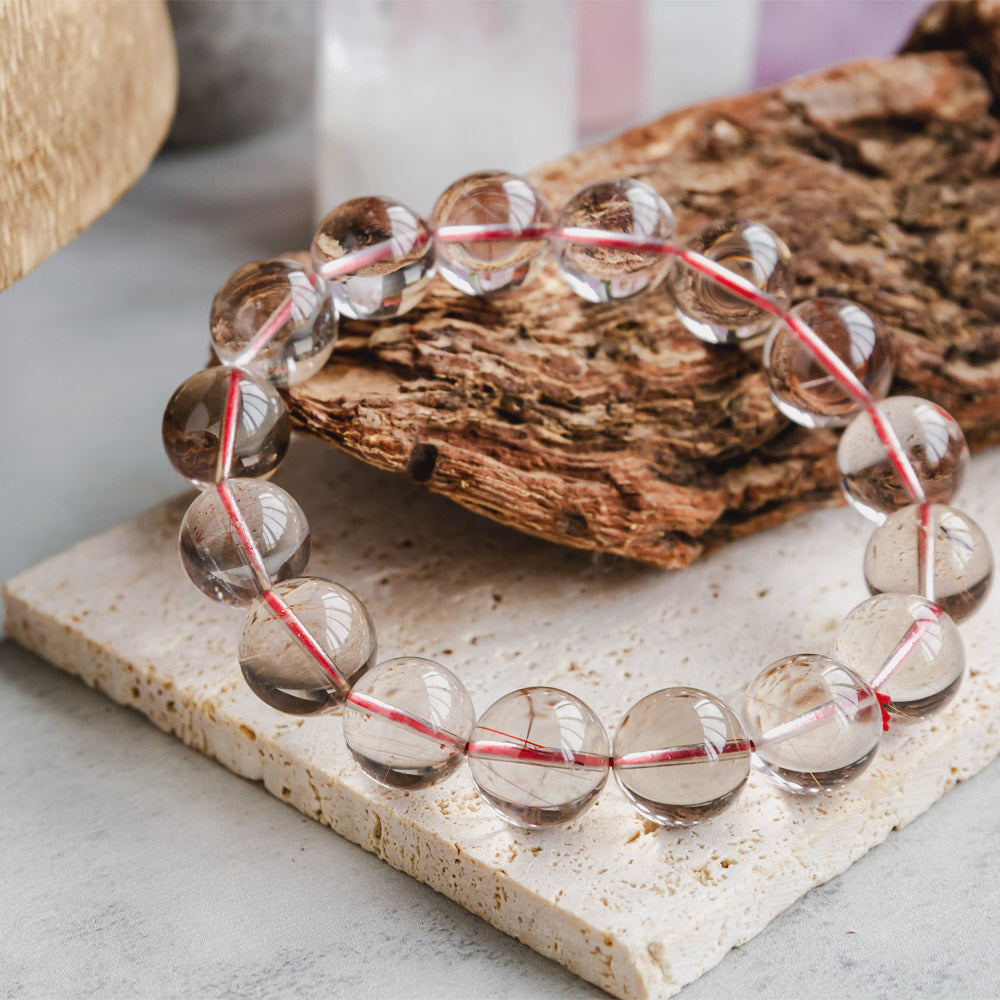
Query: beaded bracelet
[[539, 756]]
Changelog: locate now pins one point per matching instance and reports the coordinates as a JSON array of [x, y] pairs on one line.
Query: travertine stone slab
[[636, 909]]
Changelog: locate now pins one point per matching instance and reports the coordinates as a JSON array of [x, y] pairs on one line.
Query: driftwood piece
[[968, 26], [610, 427], [87, 91]]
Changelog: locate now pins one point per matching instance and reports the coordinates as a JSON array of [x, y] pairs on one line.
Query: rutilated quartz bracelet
[[539, 756]]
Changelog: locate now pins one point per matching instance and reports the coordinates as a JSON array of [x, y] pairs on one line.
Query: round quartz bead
[[278, 668], [490, 200], [193, 425], [285, 299], [931, 439], [408, 721], [539, 756], [627, 208], [814, 722], [801, 388], [935, 551], [681, 756], [376, 255], [907, 648], [212, 545], [748, 249]]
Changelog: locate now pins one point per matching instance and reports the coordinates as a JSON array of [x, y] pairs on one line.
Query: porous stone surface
[[637, 909]]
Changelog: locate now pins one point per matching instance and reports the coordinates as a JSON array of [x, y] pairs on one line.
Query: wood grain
[[87, 91]]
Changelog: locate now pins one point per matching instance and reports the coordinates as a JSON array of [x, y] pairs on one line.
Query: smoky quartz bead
[[539, 756], [801, 388], [936, 551], [481, 203], [907, 648], [274, 318], [408, 722], [681, 756], [194, 422], [932, 441], [751, 251], [283, 672], [814, 722], [377, 257], [606, 236], [242, 536]]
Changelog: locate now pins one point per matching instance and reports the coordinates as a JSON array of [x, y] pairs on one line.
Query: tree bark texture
[[609, 427]]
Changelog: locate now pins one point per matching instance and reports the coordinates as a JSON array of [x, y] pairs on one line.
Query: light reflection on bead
[[283, 674], [607, 273], [931, 439], [915, 640], [750, 250], [193, 427], [213, 554], [490, 199], [263, 291], [377, 257], [801, 388], [428, 742], [828, 718], [681, 756], [539, 756], [959, 552]]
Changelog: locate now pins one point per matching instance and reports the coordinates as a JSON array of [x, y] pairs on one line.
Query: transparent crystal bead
[[931, 439], [907, 648], [814, 722], [491, 199], [935, 551], [681, 756], [281, 297], [276, 666], [748, 249], [193, 424], [408, 722], [539, 756], [801, 387], [376, 255], [214, 542], [604, 273]]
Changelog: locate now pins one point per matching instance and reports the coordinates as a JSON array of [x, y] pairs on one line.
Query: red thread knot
[[883, 701]]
